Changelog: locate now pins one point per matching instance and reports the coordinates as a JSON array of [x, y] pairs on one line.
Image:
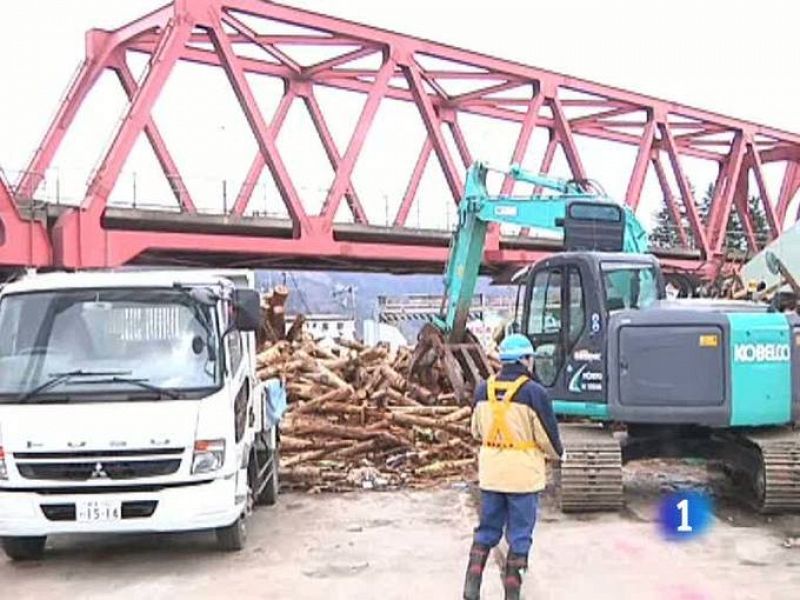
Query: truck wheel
[[269, 495], [24, 548], [233, 537]]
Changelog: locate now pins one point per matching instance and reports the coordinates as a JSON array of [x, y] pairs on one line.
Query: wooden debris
[[354, 420]]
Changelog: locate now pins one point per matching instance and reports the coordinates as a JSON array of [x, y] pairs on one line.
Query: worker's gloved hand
[[563, 456]]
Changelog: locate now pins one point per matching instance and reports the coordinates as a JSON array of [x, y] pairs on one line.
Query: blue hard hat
[[515, 347]]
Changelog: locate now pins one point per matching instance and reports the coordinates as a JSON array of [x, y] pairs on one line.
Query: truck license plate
[[93, 511]]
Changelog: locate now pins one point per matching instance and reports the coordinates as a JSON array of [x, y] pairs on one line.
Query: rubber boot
[[512, 578], [477, 562]]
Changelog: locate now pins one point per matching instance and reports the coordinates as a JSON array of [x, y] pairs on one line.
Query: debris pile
[[273, 327], [354, 419]]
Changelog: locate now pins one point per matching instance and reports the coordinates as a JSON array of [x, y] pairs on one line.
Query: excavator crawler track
[[776, 478], [591, 477]]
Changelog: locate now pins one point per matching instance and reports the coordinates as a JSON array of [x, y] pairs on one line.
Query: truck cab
[[129, 402]]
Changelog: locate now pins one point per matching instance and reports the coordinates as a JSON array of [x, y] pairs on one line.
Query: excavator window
[[629, 286], [544, 324], [556, 318], [545, 313], [577, 309]]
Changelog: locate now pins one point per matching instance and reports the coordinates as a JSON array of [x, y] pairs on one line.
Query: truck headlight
[[209, 456]]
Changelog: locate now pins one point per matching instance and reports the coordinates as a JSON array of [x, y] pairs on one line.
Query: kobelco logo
[[761, 353]]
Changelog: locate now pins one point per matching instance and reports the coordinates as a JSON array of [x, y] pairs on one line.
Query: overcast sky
[[735, 57]]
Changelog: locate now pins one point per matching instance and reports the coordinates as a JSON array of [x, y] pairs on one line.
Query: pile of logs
[[355, 421]]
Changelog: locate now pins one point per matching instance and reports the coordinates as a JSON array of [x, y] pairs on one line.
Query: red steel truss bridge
[[381, 66]]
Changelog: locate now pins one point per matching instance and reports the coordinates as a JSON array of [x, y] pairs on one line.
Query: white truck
[[129, 402]]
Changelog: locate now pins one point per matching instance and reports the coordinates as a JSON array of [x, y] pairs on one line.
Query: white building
[[329, 327]]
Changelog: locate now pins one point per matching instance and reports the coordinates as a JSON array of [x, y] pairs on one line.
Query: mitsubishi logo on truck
[[750, 353], [99, 472]]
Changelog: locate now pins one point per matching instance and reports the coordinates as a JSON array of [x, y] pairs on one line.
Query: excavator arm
[[578, 209], [548, 212]]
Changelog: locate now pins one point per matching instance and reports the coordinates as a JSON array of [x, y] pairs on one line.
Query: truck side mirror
[[247, 304]]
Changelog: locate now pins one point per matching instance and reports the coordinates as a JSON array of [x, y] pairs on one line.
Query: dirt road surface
[[413, 545]]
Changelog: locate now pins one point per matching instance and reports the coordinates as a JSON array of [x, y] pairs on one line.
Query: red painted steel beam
[[523, 141], [341, 181], [488, 108], [600, 117], [23, 243], [163, 156], [722, 202], [544, 167], [565, 138], [639, 173], [687, 197], [433, 127], [258, 163], [740, 202], [78, 237], [265, 141], [99, 47], [461, 141], [547, 160], [766, 201], [318, 119], [524, 138], [789, 187], [413, 183], [669, 200], [252, 36]]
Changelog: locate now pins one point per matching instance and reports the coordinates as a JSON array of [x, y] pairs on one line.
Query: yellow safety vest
[[500, 435]]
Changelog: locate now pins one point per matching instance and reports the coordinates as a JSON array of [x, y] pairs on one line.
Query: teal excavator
[[631, 374]]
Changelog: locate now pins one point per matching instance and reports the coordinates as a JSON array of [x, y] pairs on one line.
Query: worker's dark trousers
[[514, 512]]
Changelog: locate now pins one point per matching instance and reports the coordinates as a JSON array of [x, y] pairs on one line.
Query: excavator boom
[[571, 205], [578, 209]]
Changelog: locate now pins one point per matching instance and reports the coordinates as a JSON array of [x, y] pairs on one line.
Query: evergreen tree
[[665, 233], [735, 237]]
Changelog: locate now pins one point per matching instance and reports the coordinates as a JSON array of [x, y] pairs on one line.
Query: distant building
[[486, 313], [423, 307], [329, 326]]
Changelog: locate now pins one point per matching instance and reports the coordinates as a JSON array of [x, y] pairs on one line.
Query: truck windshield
[[80, 342], [629, 285]]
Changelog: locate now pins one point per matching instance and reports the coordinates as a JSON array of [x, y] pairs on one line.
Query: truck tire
[[233, 537], [269, 495], [24, 548]]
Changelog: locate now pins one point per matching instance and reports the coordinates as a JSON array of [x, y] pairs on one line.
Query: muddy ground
[[413, 545]]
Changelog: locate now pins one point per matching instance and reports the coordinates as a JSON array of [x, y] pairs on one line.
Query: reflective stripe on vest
[[500, 434]]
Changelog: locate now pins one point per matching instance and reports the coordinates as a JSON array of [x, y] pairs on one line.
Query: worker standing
[[513, 418]]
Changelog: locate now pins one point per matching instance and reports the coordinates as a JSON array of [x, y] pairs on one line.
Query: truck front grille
[[98, 465], [97, 454], [98, 470]]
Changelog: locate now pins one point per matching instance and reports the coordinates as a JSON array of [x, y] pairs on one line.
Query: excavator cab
[[567, 301]]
